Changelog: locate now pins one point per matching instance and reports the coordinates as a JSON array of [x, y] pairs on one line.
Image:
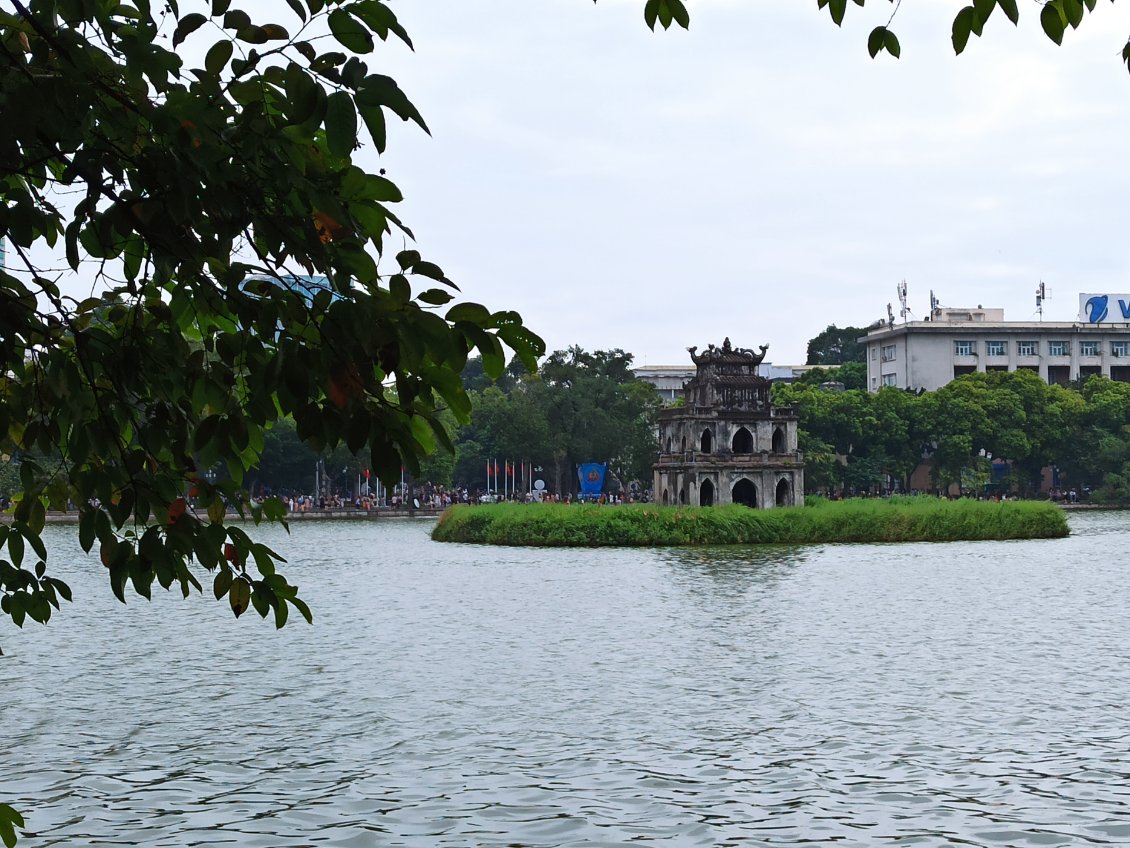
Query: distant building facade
[[669, 380], [727, 443], [925, 355]]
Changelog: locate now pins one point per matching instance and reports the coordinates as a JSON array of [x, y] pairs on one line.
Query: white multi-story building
[[928, 354]]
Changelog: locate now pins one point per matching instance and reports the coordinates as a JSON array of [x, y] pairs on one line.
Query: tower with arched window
[[728, 443]]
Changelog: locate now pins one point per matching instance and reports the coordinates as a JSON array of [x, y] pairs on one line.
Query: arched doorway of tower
[[783, 490], [706, 494], [666, 497], [744, 493], [707, 442], [778, 441], [743, 442]]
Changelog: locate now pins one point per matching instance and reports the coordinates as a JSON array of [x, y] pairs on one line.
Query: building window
[[1059, 349], [874, 353], [1027, 348], [963, 348], [996, 348], [890, 379], [888, 353], [1089, 348], [1118, 348]]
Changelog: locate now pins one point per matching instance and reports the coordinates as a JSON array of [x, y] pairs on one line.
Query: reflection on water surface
[[458, 695]]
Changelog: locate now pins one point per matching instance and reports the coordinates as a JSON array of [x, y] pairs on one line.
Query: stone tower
[[727, 443]]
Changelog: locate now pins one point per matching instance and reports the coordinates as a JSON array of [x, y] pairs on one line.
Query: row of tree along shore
[[898, 519], [996, 432], [988, 433]]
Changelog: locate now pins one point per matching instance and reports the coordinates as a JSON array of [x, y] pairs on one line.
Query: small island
[[897, 519]]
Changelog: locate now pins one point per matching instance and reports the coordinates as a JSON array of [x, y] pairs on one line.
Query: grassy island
[[905, 519]]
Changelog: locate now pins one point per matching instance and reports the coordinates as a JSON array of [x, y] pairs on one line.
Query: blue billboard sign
[[591, 477], [1104, 308]]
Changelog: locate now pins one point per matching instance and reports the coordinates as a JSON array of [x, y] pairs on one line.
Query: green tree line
[[856, 439], [577, 407]]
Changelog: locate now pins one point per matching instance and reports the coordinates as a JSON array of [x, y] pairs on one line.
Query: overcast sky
[[758, 177]]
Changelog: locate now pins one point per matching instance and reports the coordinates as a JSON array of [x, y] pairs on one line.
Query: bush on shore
[[905, 519]]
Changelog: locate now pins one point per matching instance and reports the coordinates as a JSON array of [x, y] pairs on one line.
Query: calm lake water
[[926, 695]]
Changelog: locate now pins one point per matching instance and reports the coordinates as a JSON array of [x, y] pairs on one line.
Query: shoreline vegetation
[[897, 519]]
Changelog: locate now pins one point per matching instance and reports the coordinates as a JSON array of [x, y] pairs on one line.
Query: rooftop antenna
[[935, 304], [1042, 294], [904, 310], [890, 316]]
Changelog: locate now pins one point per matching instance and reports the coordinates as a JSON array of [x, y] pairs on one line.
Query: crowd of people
[[431, 497]]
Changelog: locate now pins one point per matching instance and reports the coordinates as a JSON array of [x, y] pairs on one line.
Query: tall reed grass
[[909, 519]]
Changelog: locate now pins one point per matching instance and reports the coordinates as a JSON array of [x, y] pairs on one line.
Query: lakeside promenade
[[310, 515], [350, 514]]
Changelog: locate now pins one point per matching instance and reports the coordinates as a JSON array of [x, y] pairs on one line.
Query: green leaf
[[341, 124], [962, 26], [400, 288], [374, 118], [1053, 22], [891, 44], [380, 90], [304, 609], [297, 8], [252, 35], [476, 313], [434, 297], [431, 271], [350, 32], [651, 13], [1009, 9], [37, 517], [680, 14], [186, 26], [16, 547], [222, 583], [86, 534], [837, 8], [407, 259], [305, 98], [10, 819], [239, 596], [1073, 11], [281, 611], [978, 25], [875, 41], [34, 528], [218, 56], [984, 8]]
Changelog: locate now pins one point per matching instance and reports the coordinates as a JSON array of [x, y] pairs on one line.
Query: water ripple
[[909, 695]]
